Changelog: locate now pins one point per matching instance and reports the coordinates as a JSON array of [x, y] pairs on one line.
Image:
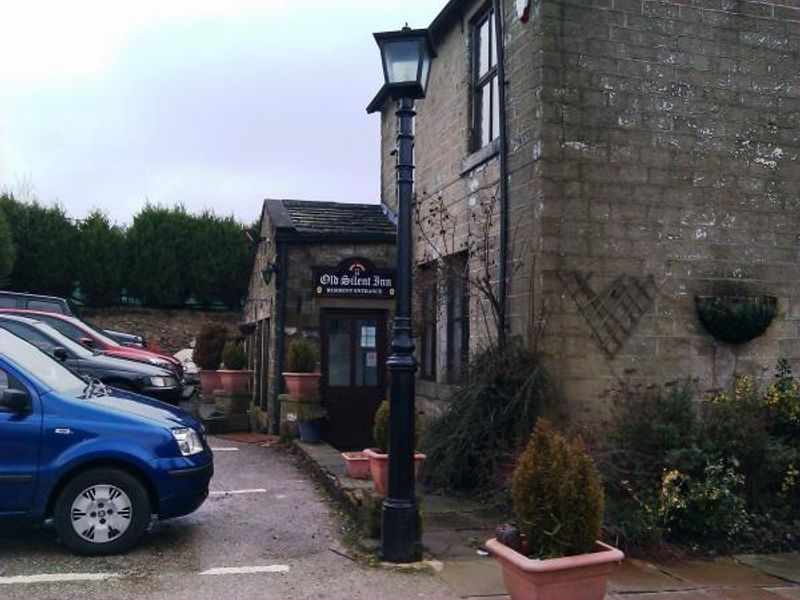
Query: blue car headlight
[[188, 441]]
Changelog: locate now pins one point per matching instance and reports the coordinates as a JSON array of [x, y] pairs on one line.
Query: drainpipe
[[502, 274], [280, 326]]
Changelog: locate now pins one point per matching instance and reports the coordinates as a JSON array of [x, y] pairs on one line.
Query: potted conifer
[[301, 377], [207, 355], [379, 456], [234, 378], [558, 502]]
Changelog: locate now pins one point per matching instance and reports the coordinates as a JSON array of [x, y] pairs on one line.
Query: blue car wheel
[[102, 511]]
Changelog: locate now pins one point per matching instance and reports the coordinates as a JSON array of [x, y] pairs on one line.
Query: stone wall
[[653, 157], [171, 329], [669, 168]]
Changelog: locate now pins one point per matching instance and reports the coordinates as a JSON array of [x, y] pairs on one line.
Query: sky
[[210, 103]]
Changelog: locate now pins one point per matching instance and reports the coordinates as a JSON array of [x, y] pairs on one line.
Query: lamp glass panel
[[426, 68], [402, 61]]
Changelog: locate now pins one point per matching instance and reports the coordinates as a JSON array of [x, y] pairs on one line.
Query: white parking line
[[225, 449], [232, 492], [57, 578], [247, 570]]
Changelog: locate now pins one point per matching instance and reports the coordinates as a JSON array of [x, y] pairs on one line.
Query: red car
[[95, 339]]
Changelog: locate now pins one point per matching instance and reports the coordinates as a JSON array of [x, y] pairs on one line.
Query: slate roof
[[306, 218]]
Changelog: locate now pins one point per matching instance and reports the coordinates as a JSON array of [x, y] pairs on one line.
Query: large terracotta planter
[[379, 468], [209, 381], [234, 381], [302, 385], [580, 577]]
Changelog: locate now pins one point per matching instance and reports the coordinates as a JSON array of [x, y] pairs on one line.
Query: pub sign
[[353, 278]]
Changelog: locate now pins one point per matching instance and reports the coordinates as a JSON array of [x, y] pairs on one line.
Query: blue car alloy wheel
[[102, 511]]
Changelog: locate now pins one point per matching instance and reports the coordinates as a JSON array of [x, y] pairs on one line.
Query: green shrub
[[720, 473], [558, 499], [302, 357], [209, 345], [233, 355], [489, 417], [101, 246], [380, 428], [7, 250]]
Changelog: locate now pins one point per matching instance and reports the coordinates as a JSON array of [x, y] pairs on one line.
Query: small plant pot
[[209, 381], [302, 385], [379, 468], [356, 464], [310, 431], [234, 381], [579, 577]]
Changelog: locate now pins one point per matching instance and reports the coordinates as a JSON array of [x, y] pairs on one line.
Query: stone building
[[625, 161], [323, 271]]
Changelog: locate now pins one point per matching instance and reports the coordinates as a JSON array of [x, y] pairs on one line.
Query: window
[[457, 317], [485, 93], [45, 305], [428, 309]]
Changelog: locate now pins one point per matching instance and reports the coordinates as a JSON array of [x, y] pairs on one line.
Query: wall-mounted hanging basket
[[736, 319]]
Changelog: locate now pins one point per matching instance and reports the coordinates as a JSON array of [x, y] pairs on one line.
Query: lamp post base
[[400, 531]]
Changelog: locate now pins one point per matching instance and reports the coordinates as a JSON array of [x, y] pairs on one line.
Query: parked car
[[97, 460], [150, 380], [125, 339], [35, 302], [61, 306], [95, 339]]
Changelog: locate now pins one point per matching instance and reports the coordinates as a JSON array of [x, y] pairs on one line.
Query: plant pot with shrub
[[301, 377], [207, 355], [553, 552], [234, 378], [309, 414], [379, 456]]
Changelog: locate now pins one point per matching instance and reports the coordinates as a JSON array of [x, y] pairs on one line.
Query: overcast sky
[[210, 103]]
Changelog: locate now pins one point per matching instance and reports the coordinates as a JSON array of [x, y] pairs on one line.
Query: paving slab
[[720, 573], [786, 565], [482, 577], [685, 595], [457, 521], [638, 576], [744, 593], [448, 543]]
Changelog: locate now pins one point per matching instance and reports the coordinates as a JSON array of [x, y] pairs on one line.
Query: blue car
[[99, 461]]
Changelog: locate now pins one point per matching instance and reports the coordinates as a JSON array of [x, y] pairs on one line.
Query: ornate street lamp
[[406, 56]]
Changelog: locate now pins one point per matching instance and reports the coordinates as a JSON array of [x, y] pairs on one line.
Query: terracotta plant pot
[[379, 468], [209, 381], [579, 577], [234, 381], [302, 385], [356, 464]]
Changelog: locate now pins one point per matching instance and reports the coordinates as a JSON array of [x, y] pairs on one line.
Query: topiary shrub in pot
[[207, 354], [558, 503], [379, 456], [300, 376], [234, 378]]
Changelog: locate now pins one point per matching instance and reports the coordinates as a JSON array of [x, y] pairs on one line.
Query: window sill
[[479, 157]]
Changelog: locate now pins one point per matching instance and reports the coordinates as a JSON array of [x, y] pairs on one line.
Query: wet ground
[[265, 533]]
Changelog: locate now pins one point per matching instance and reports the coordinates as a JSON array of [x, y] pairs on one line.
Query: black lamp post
[[406, 57]]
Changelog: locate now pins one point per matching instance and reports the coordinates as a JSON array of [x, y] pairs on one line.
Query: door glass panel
[[367, 352], [339, 352]]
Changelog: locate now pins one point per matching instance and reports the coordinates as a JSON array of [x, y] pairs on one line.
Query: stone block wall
[[171, 329], [661, 152]]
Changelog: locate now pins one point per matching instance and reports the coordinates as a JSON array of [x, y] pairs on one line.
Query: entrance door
[[353, 374]]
